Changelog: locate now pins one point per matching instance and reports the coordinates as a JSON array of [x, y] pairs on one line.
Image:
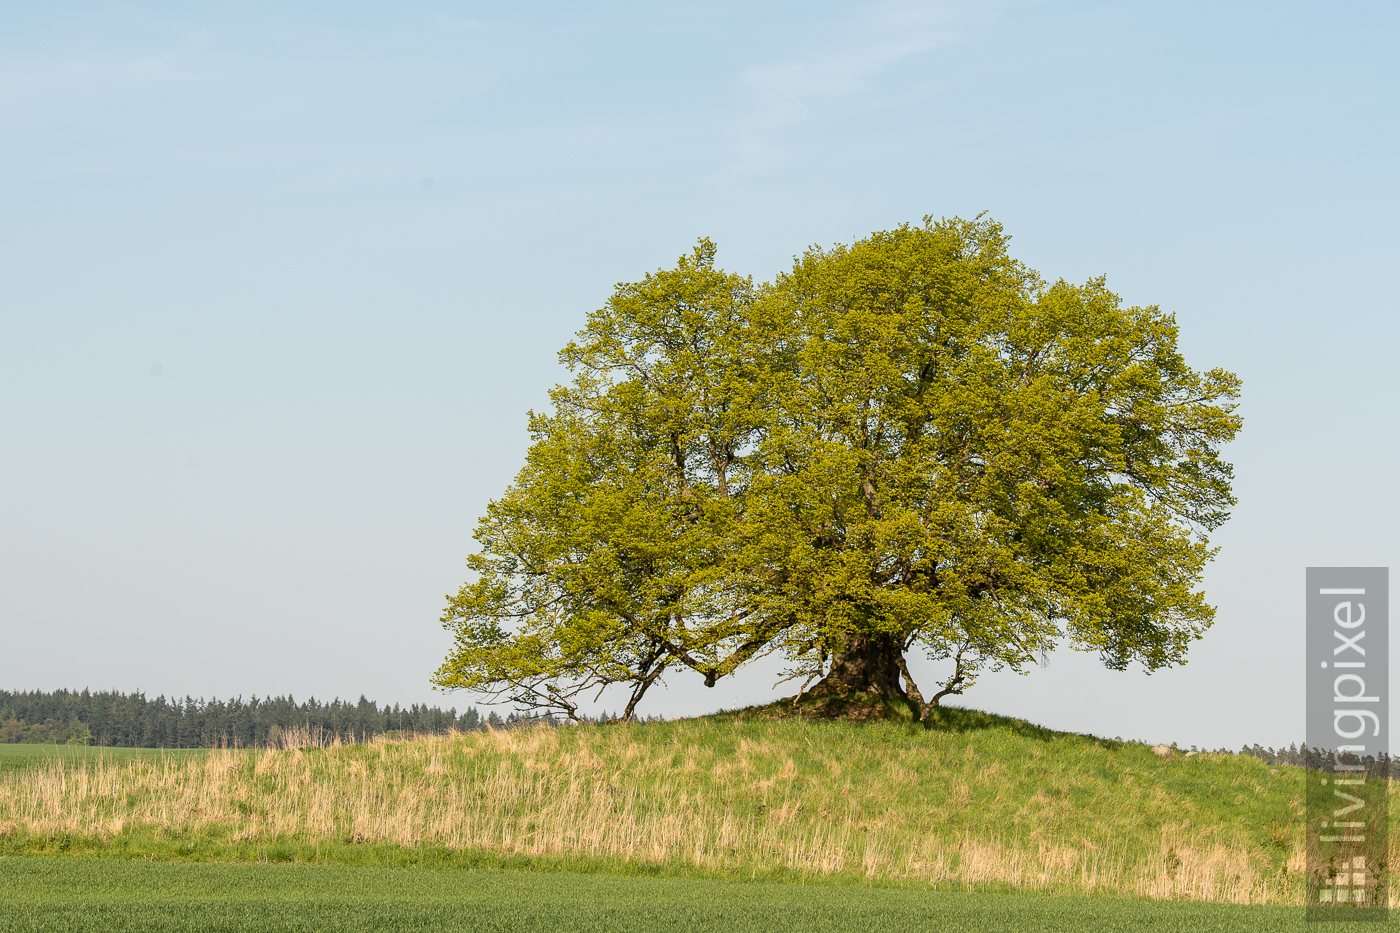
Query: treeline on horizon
[[130, 720]]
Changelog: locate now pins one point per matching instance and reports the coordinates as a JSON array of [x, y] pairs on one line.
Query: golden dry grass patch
[[795, 796]]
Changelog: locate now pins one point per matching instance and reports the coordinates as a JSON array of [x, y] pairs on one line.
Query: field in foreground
[[24, 757], [115, 896], [982, 803]]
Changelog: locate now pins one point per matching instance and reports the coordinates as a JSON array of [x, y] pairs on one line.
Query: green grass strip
[[79, 894]]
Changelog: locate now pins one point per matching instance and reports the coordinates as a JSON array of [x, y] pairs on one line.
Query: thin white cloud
[[50, 78], [782, 94]]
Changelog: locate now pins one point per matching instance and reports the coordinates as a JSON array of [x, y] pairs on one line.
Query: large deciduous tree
[[909, 443]]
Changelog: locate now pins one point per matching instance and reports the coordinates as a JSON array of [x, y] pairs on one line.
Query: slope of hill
[[980, 802]]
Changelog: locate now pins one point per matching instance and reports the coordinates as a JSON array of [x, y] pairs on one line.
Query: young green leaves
[[911, 442]]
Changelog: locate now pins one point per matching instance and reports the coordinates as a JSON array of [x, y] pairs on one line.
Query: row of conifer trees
[[130, 720]]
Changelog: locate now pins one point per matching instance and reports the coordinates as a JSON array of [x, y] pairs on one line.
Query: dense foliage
[[129, 720], [909, 443]]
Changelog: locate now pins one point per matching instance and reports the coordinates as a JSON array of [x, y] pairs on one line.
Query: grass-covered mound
[[976, 801], [843, 707]]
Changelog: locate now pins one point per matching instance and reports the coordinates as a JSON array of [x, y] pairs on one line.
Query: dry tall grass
[[977, 809]]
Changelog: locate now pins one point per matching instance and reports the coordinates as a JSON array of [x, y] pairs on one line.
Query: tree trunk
[[866, 664]]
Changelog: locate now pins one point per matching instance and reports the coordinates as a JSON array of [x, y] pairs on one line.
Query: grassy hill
[[979, 802]]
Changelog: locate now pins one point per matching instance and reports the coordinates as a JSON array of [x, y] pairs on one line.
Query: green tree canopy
[[909, 443]]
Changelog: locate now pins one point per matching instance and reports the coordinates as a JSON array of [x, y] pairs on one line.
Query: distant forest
[[129, 720]]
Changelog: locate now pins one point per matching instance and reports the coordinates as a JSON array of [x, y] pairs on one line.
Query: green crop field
[[109, 895], [19, 757]]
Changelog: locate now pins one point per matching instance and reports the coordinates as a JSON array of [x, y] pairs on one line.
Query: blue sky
[[352, 237]]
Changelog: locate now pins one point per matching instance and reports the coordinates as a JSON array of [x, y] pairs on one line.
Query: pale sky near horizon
[[279, 282]]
